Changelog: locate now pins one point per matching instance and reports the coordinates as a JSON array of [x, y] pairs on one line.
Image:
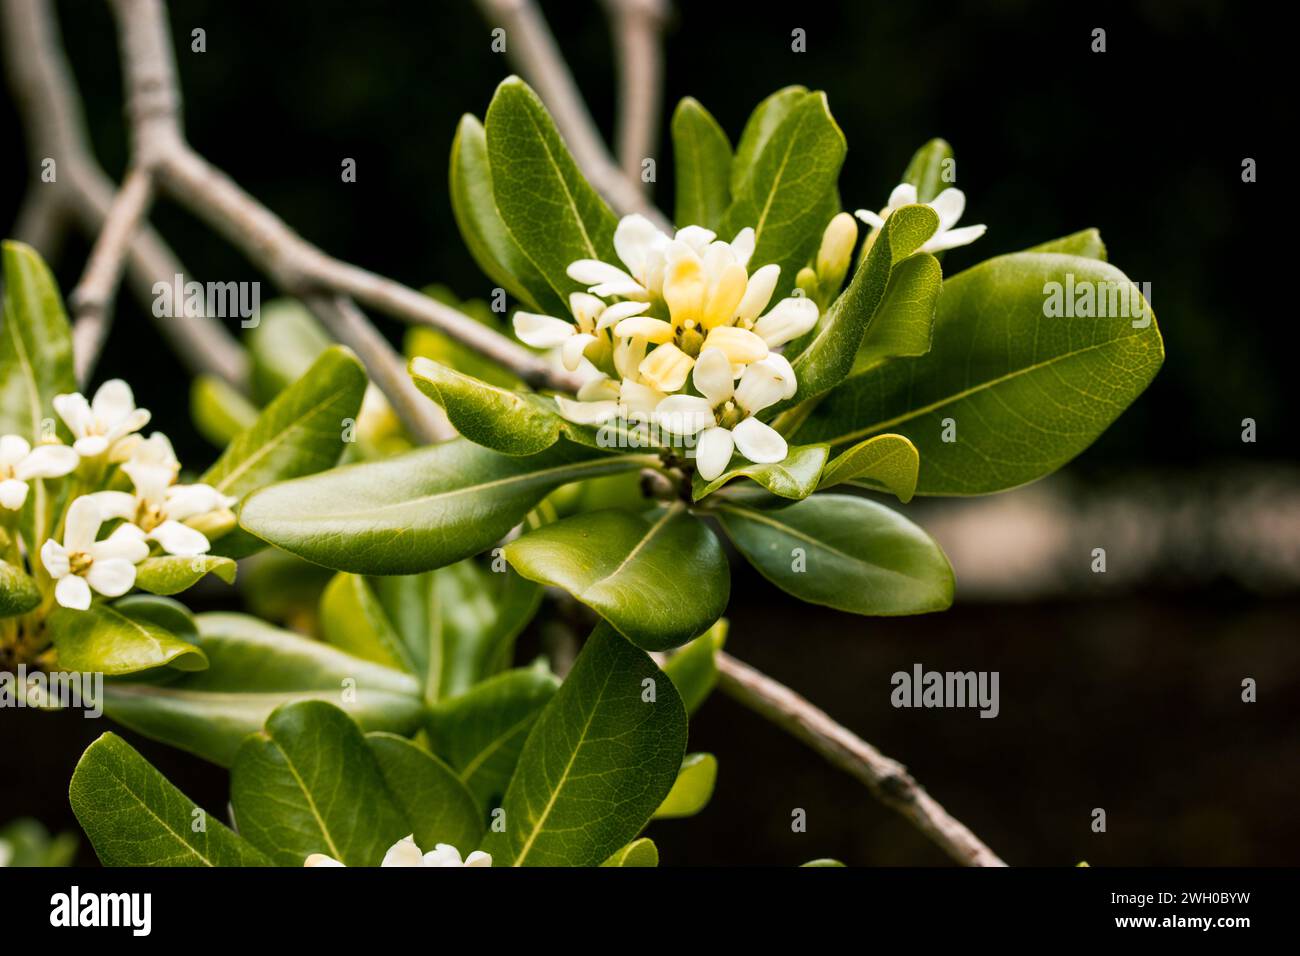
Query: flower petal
[[635, 238], [712, 376], [954, 238], [190, 501], [666, 367], [113, 402], [763, 384], [684, 414], [82, 525], [726, 295], [639, 400], [789, 319], [47, 461], [758, 292], [541, 331], [784, 370], [75, 412], [599, 388], [320, 859], [619, 311], [758, 442], [12, 493], [478, 858], [949, 204], [126, 543], [586, 308], [869, 217], [111, 578], [587, 413], [593, 272], [74, 592], [13, 449], [904, 194], [739, 345], [180, 539], [697, 237], [91, 446], [685, 286], [572, 349], [652, 330], [443, 854], [742, 247], [55, 558], [403, 853], [713, 453]]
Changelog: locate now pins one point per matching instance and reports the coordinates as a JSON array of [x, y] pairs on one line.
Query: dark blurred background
[[1119, 691]]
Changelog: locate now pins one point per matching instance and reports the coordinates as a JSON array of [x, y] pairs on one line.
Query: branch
[[887, 779], [82, 194], [531, 46], [638, 32]]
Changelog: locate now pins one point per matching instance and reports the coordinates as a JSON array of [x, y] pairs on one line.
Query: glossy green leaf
[[885, 462], [253, 669], [795, 477], [550, 209], [168, 574], [503, 420], [299, 433], [481, 732], [18, 591], [280, 588], [219, 412], [438, 806], [113, 641], [783, 191], [702, 165], [352, 618], [659, 579], [420, 510], [309, 783], [284, 344], [35, 344], [759, 130], [1085, 242], [694, 668], [844, 552], [830, 355], [597, 763], [1021, 392], [928, 170], [135, 817], [640, 853], [904, 320], [492, 245], [693, 789]]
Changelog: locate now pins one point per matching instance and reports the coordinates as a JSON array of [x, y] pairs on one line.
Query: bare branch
[[887, 779], [92, 300], [638, 32], [531, 46]]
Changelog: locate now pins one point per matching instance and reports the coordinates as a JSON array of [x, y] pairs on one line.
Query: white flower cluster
[[405, 853], [157, 511]]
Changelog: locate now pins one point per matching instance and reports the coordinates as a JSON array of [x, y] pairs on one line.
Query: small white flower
[[20, 463], [405, 853], [593, 317], [724, 416], [81, 563], [949, 204], [104, 424]]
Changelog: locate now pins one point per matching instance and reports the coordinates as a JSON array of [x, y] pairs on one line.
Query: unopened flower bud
[[836, 251]]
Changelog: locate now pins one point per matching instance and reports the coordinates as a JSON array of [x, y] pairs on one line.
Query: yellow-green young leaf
[[787, 176], [702, 164], [473, 203], [844, 552], [254, 668], [505, 421], [886, 462], [795, 477], [550, 209], [829, 356], [351, 618], [481, 732], [283, 345], [904, 319], [135, 817], [931, 170], [27, 843], [824, 862], [168, 574], [116, 641], [597, 763], [694, 668], [18, 592], [640, 852], [436, 803], [1085, 242], [421, 510], [1009, 392], [659, 579], [693, 789], [219, 412], [309, 783], [35, 345]]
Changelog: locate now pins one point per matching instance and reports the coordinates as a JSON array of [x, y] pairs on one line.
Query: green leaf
[[844, 552], [640, 852], [702, 164], [481, 732], [438, 806], [417, 511], [904, 320], [253, 669], [135, 817], [886, 462], [693, 789], [660, 580], [473, 203], [282, 588], [351, 618], [1085, 242], [219, 412], [759, 129], [25, 843], [926, 169], [35, 344], [284, 344], [795, 477], [782, 195], [311, 784], [425, 341], [829, 357], [694, 668], [550, 209], [18, 591], [299, 433], [113, 641], [502, 420], [598, 762], [169, 574], [1020, 391]]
